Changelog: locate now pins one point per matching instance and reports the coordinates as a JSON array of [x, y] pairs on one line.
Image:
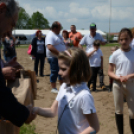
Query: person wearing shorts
[[54, 44]]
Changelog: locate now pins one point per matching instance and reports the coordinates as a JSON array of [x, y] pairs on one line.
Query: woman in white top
[[74, 103], [122, 61]]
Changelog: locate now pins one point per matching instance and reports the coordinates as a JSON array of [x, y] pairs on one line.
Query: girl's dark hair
[[66, 32], [126, 30]]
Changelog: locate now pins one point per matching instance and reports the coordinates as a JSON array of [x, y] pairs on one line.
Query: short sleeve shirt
[[40, 46], [73, 120], [123, 61], [72, 36], [88, 40], [132, 44], [56, 41], [95, 58]]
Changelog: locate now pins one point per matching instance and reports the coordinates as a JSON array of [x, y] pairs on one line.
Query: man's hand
[[76, 38], [32, 115], [14, 63], [9, 73]]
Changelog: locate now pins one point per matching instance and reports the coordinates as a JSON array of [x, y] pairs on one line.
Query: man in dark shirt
[[10, 108]]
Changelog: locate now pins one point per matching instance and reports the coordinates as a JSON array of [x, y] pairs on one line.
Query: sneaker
[[103, 87], [91, 86], [54, 90]]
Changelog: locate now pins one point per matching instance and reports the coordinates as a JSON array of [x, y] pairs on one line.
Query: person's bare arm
[[91, 53], [111, 72], [47, 112], [80, 46], [93, 124], [9, 73], [52, 49]]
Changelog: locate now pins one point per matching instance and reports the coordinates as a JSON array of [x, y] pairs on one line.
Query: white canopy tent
[[85, 32], [45, 32], [30, 34]]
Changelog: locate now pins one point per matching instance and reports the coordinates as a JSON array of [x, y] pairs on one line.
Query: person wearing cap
[[38, 52], [10, 108], [54, 44], [88, 40], [75, 36]]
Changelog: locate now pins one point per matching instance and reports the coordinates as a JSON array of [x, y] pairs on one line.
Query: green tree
[[23, 19], [38, 21]]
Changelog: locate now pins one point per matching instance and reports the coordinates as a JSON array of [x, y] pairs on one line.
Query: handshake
[[32, 115]]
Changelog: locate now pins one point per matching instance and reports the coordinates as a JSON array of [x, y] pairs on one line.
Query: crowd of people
[[76, 70]]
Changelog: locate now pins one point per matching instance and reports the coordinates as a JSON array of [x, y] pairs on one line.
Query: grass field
[[27, 129], [107, 45]]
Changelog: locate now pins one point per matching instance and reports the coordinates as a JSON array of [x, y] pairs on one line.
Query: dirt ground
[[103, 99]]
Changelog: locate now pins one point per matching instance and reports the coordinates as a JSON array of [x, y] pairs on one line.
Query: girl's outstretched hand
[[35, 110]]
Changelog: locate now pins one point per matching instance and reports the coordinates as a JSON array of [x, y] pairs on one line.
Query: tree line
[[35, 21]]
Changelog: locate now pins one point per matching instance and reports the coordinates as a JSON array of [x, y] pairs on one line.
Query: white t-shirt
[[57, 42], [88, 40], [124, 62], [132, 44], [73, 120], [95, 58]]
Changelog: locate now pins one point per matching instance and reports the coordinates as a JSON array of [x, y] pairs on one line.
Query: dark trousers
[[39, 58], [95, 71], [101, 77]]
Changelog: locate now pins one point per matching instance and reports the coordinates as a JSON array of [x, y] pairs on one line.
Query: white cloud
[[77, 10], [81, 13], [103, 12], [72, 20]]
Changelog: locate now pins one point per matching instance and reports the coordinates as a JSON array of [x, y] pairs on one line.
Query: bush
[[27, 129]]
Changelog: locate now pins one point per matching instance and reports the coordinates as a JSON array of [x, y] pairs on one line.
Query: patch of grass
[[108, 45], [22, 46], [27, 129], [111, 45]]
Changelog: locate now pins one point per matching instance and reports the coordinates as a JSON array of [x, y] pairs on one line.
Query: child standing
[[110, 79], [122, 61], [74, 103], [96, 62]]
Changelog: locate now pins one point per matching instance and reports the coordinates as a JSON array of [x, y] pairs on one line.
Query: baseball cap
[[92, 25]]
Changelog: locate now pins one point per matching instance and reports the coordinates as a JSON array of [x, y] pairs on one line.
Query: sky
[[83, 12]]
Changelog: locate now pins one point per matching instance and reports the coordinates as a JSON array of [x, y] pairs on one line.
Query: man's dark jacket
[[10, 108]]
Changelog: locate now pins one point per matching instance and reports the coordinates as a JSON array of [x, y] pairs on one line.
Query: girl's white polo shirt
[[73, 120]]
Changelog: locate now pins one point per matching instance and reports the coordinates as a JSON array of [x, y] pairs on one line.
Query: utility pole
[[110, 18]]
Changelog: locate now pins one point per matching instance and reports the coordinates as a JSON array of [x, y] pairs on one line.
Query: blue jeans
[[54, 69]]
